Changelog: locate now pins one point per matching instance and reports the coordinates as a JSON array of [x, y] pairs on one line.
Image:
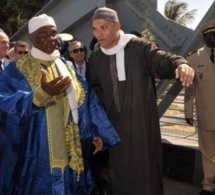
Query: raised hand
[[56, 86], [185, 73]]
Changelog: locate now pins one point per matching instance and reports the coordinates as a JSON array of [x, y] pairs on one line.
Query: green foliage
[[148, 36], [15, 13]]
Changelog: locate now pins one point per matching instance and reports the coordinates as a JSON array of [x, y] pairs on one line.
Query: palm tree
[[177, 11]]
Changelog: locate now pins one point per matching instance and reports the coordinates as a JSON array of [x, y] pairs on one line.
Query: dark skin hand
[[56, 86], [98, 143], [190, 121]]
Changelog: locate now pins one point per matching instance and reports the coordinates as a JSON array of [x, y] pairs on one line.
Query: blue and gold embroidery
[[30, 67]]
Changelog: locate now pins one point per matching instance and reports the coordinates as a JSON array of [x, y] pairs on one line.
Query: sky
[[201, 5]]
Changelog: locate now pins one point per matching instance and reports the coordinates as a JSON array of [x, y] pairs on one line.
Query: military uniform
[[202, 95]]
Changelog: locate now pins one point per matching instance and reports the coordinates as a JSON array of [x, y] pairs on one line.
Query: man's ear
[[118, 25]]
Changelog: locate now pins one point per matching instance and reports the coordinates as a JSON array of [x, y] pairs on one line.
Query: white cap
[[40, 21], [208, 27], [66, 36]]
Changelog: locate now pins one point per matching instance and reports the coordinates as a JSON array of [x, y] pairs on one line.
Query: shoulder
[[69, 64], [26, 61], [13, 71], [138, 40], [97, 56], [7, 61], [137, 44]]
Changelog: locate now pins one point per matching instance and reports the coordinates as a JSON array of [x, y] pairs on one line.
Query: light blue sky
[[201, 5]]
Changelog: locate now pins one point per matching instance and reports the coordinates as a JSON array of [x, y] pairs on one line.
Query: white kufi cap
[[40, 21]]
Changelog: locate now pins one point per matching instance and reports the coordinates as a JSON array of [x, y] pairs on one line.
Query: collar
[[36, 53], [123, 40], [83, 65], [2, 60], [208, 49], [119, 51]]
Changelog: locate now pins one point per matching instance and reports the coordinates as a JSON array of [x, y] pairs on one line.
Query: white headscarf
[[120, 55]]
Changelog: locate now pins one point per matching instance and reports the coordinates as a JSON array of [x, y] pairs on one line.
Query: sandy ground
[[177, 109]]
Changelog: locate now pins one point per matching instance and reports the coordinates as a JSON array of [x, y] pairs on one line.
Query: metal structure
[[74, 17]]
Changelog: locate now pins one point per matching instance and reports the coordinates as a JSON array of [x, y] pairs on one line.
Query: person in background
[[78, 55], [64, 39], [4, 49], [122, 73], [21, 48], [11, 54], [51, 121], [12, 43], [201, 95], [94, 45], [61, 45]]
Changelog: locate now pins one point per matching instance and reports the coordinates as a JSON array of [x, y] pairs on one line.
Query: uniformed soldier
[[202, 96]]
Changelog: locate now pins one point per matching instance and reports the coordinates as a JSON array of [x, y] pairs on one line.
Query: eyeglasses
[[76, 50], [22, 52]]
